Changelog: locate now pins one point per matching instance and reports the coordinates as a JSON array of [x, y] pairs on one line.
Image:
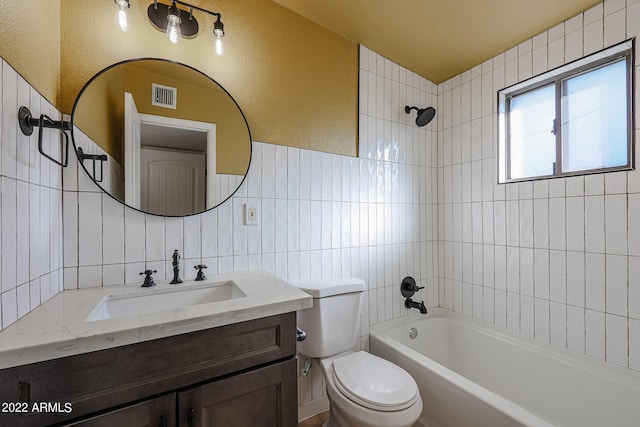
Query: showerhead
[[425, 115]]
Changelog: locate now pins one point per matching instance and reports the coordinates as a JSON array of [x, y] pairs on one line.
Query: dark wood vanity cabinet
[[242, 374], [156, 412], [246, 400]]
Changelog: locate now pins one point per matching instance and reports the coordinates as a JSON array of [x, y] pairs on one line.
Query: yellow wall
[[30, 42], [295, 81], [100, 117]]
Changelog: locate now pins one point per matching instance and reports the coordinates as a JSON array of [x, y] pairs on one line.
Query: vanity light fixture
[[122, 16], [179, 23]]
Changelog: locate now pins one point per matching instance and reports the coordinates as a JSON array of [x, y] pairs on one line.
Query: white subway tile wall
[[566, 248], [30, 204]]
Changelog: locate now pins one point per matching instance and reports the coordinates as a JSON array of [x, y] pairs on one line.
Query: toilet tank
[[333, 323]]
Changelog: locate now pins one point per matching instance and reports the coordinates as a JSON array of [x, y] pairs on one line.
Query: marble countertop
[[58, 327]]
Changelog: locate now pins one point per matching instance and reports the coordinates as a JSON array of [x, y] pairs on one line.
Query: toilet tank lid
[[328, 287]]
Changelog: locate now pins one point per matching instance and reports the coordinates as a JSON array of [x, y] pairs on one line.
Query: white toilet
[[364, 390]]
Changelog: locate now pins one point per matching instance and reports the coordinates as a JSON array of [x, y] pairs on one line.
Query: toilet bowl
[[367, 391], [363, 390]]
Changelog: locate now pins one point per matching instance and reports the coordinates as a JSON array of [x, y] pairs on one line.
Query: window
[[573, 120]]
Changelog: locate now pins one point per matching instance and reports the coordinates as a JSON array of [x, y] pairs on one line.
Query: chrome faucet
[[176, 267]]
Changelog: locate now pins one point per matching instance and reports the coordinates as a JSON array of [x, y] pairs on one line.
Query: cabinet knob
[[163, 421], [191, 417]]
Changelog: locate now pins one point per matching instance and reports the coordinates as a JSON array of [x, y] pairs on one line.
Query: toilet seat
[[374, 383]]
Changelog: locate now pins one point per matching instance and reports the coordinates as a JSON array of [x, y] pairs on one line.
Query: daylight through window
[[573, 120]]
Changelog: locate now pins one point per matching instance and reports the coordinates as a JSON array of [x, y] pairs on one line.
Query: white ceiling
[[438, 39]]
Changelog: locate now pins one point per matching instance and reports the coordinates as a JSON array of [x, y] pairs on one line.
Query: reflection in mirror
[[176, 142]]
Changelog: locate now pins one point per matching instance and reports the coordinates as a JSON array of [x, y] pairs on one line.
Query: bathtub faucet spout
[[409, 303]]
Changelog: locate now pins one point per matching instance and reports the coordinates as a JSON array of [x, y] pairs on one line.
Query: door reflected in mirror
[[176, 142]]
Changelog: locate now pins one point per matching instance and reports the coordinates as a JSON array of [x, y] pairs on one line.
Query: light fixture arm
[[164, 17], [157, 13], [191, 7]]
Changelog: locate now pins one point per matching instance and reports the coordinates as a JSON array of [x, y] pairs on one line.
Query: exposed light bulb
[[218, 28], [121, 16], [218, 31], [173, 28]]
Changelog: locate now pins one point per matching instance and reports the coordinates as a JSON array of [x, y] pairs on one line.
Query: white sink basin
[[114, 306]]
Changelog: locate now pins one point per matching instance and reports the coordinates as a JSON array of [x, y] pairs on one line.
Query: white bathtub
[[473, 374]]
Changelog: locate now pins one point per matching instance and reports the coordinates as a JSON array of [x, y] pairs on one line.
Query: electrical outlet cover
[[250, 214]]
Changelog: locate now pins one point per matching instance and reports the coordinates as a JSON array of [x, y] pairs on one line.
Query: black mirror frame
[[78, 153]]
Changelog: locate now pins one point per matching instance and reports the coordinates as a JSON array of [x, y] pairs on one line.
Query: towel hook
[[27, 122]]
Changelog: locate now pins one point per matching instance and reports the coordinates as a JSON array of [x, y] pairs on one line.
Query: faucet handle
[[408, 287], [148, 280], [200, 276]]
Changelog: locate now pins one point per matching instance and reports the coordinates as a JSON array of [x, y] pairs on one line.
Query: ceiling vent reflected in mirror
[[163, 96]]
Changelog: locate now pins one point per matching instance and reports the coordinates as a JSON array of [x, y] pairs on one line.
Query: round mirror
[[161, 137]]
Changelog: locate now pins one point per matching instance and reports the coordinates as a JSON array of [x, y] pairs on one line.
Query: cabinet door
[[265, 397], [158, 412]]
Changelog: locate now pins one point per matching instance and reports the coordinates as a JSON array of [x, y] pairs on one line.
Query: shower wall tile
[[564, 250], [634, 291], [576, 329]]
